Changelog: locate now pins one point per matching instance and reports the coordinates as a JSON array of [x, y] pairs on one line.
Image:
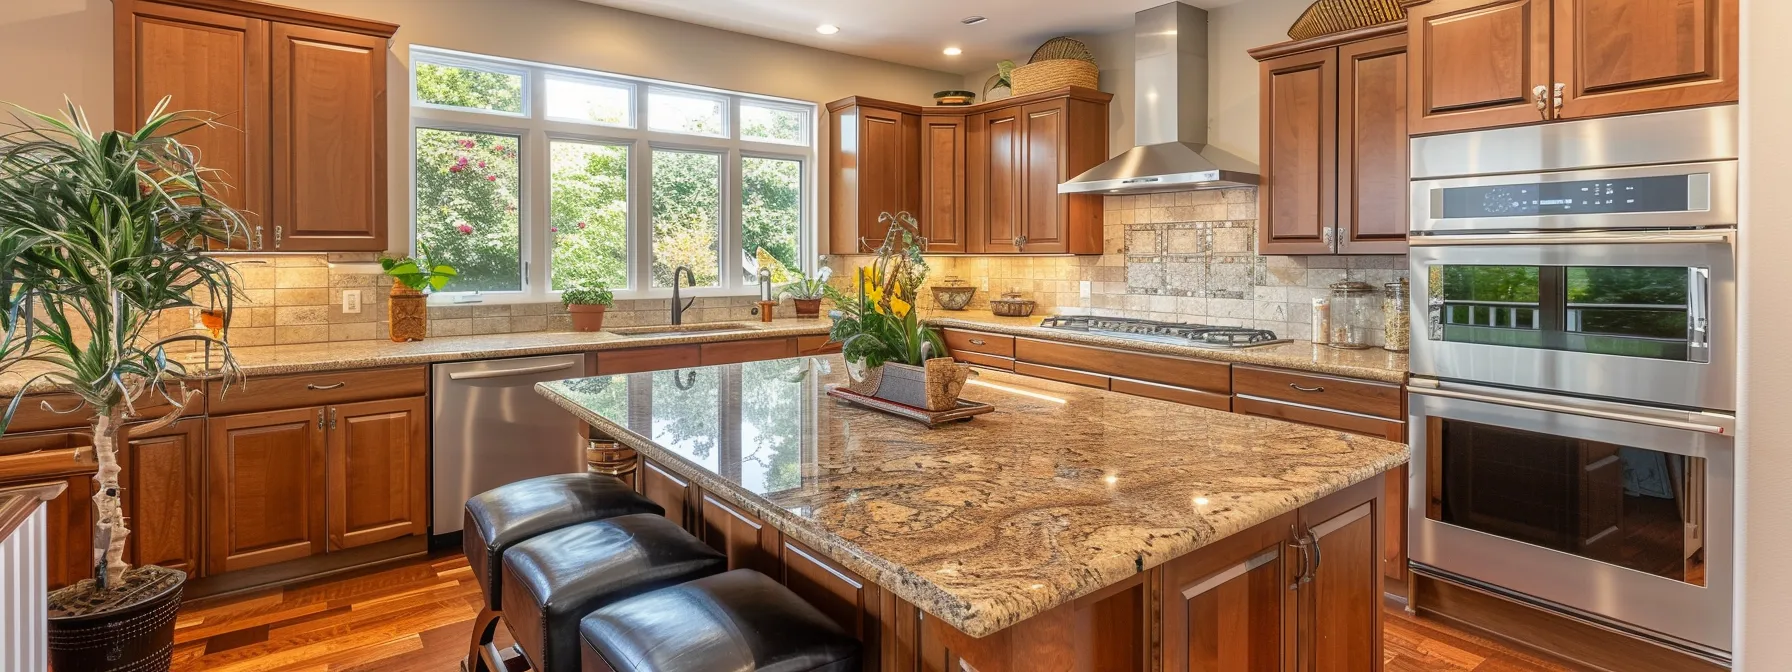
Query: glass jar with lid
[[1355, 311], [1396, 335]]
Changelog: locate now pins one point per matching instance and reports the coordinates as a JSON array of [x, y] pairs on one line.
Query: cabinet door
[[1298, 198], [265, 488], [208, 62], [1341, 610], [329, 121], [888, 171], [160, 478], [747, 541], [942, 182], [1001, 168], [1620, 56], [1045, 138], [1228, 608], [377, 487], [1372, 152], [668, 490], [1477, 64]]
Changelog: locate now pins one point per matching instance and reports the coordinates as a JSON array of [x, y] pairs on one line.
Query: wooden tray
[[965, 411]]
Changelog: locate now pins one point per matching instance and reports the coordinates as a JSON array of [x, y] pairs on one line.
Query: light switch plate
[[986, 283], [351, 301]]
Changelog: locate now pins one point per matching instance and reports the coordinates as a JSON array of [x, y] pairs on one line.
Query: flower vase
[[407, 314]]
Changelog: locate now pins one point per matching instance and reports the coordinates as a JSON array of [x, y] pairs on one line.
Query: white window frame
[[537, 131]]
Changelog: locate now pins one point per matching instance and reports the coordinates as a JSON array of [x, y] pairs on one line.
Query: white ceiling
[[911, 32]]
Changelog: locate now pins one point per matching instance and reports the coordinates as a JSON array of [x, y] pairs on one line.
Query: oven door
[[1681, 195], [1615, 513], [1640, 316]]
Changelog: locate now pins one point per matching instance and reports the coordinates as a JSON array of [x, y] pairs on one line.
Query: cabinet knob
[[1540, 93], [1020, 242], [1558, 101]]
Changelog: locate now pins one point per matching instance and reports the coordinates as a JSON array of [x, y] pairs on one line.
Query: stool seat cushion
[[556, 578], [499, 518], [741, 620]]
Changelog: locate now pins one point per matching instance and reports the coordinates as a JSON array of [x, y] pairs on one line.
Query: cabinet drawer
[[980, 359], [636, 360], [1391, 430], [816, 345], [1194, 374], [1180, 395], [1071, 376], [735, 352], [32, 416], [1343, 394], [979, 342], [45, 455], [317, 389]]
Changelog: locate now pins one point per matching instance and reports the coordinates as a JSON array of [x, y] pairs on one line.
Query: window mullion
[[733, 236]]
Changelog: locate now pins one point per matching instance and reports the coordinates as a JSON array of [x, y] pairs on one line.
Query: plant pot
[[407, 314], [933, 387], [807, 307], [587, 317], [137, 635]]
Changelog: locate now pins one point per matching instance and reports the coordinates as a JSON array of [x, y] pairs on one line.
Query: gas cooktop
[[1198, 335]]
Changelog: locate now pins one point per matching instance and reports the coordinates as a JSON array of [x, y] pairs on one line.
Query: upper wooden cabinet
[[981, 179], [1334, 144], [875, 168], [300, 104], [1487, 63]]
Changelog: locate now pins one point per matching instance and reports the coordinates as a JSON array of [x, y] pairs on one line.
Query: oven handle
[[1577, 238], [1572, 410]]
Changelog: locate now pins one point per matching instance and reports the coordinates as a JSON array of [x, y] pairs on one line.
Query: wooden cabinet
[[161, 483], [1487, 63], [637, 360], [736, 352], [943, 182], [1619, 56], [874, 168], [1334, 144], [981, 179], [669, 490], [1227, 606], [1340, 593], [378, 475], [265, 488], [292, 90], [329, 109], [747, 541]]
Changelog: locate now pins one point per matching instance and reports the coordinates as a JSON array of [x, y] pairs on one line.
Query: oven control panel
[[1669, 193]]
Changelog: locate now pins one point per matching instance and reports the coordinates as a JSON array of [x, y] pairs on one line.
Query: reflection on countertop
[[1061, 491]]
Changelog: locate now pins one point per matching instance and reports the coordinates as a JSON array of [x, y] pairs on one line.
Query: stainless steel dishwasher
[[491, 428]]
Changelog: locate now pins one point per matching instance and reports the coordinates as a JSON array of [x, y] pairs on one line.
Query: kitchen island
[[1069, 529]]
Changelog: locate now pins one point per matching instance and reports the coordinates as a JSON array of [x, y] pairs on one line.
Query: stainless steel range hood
[[1170, 115]]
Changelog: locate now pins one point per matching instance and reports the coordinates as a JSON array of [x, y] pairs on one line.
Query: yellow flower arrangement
[[881, 324]]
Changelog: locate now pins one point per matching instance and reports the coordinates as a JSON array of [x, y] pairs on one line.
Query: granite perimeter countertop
[[1059, 492]]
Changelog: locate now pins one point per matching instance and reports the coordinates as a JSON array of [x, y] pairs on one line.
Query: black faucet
[[678, 310]]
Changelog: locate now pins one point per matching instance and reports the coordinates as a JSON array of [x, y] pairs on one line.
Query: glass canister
[[1397, 329], [1355, 310]]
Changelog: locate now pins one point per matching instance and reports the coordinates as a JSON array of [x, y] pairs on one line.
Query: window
[[532, 178]]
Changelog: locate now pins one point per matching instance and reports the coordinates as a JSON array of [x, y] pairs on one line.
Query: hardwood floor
[[417, 617]]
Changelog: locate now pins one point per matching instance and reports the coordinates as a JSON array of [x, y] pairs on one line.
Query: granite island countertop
[[1061, 491]]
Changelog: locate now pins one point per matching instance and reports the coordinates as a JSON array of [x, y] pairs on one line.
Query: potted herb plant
[[890, 354], [407, 308], [808, 292], [587, 305], [100, 233]]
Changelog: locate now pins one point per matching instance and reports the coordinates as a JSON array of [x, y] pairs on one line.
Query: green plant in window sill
[[418, 273], [598, 295], [809, 288]]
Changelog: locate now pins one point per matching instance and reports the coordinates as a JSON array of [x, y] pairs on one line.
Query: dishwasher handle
[[480, 375]]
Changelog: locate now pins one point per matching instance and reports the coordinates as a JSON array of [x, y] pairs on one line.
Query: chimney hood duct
[[1170, 115]]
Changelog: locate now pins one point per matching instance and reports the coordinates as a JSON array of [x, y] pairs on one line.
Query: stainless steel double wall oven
[[1574, 369]]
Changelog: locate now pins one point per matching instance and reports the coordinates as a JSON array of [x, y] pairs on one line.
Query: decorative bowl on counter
[[1011, 305], [954, 98], [954, 295]]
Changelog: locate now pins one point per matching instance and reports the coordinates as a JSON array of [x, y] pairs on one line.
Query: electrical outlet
[[986, 283], [351, 301], [1083, 288]]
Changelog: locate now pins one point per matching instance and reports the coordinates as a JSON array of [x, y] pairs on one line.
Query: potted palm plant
[[890, 353], [587, 305], [100, 233]]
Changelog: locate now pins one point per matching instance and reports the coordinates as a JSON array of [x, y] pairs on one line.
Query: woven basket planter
[[933, 387], [407, 314], [1055, 74]]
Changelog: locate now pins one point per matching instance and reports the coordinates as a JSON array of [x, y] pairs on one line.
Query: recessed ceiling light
[[827, 29], [953, 51], [972, 20]]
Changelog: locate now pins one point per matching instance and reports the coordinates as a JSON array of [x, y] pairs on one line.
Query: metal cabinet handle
[[260, 240], [320, 419], [1020, 241], [1558, 103], [320, 388], [1540, 93], [1300, 546], [978, 341], [332, 417], [1318, 557], [1297, 386], [277, 234]]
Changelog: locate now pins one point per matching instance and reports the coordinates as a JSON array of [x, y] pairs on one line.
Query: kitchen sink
[[682, 329]]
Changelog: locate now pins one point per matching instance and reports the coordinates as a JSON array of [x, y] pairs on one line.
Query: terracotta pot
[[407, 313], [807, 307], [587, 317], [933, 387], [137, 638]]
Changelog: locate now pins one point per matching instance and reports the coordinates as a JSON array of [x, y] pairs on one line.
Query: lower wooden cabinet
[[671, 491], [161, 486], [1340, 595], [378, 483], [265, 486], [748, 542]]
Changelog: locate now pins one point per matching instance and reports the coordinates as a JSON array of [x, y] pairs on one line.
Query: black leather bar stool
[[555, 579], [738, 621], [501, 517]]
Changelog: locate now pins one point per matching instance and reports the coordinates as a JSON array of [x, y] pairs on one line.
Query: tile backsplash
[[1180, 257]]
